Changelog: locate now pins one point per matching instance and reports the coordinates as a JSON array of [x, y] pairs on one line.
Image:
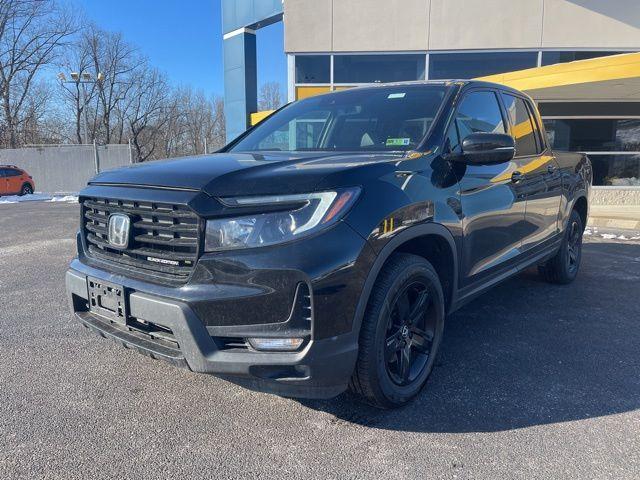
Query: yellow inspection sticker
[[397, 142]]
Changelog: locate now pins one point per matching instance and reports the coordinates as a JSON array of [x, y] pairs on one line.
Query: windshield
[[372, 119]]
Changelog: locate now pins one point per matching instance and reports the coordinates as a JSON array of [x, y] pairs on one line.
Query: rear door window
[[522, 126]]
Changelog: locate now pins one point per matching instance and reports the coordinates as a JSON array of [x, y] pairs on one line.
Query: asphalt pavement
[[533, 381]]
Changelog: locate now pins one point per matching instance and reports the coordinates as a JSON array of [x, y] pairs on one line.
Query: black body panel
[[477, 224]]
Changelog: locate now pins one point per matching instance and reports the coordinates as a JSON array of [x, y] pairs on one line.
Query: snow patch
[[39, 197], [614, 236], [66, 198], [625, 182]]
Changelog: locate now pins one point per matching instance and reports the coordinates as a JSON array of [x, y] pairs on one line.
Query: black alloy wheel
[[410, 333], [401, 331], [574, 246], [563, 267]]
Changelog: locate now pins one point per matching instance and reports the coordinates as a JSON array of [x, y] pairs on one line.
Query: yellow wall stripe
[[614, 67]]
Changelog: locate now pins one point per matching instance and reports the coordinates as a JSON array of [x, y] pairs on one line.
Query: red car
[[15, 181]]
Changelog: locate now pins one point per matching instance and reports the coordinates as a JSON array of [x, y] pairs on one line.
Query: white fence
[[65, 168]]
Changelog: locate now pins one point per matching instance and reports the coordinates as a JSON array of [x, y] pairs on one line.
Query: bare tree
[[269, 98], [219, 133], [127, 101], [191, 122], [78, 96], [201, 121], [144, 115], [173, 132], [118, 63], [31, 34], [37, 119]]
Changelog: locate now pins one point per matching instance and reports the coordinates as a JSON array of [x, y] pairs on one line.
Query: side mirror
[[487, 148]]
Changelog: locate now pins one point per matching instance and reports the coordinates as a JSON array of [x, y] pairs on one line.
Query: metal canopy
[[611, 78]]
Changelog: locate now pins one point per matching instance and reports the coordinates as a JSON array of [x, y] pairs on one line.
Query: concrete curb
[[614, 216], [615, 223]]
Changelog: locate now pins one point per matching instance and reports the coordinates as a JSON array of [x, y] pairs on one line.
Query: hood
[[227, 174]]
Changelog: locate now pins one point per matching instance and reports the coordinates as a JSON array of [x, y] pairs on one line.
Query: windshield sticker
[[396, 95], [396, 142]]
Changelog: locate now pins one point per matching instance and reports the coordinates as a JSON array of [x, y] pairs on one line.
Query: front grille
[[164, 240]]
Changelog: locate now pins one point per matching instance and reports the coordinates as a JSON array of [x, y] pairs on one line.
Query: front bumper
[[320, 370]]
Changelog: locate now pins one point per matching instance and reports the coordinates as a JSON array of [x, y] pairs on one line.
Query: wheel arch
[[432, 241], [581, 205]]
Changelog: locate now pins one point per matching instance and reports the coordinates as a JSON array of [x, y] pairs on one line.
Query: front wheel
[[401, 332], [563, 267]]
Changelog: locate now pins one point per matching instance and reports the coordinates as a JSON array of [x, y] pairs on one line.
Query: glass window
[[452, 140], [10, 172], [301, 134], [378, 68], [594, 135], [364, 119], [549, 58], [616, 170], [313, 69], [472, 65], [522, 125], [479, 112]]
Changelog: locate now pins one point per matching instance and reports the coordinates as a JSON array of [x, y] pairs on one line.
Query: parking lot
[[533, 381]]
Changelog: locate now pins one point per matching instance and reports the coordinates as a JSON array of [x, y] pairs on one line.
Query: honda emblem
[[119, 227]]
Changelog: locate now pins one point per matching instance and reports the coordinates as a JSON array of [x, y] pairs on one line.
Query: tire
[[402, 325], [26, 190], [563, 267]]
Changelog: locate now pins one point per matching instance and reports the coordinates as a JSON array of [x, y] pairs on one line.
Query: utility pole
[[80, 80], [130, 153], [83, 99], [96, 157]]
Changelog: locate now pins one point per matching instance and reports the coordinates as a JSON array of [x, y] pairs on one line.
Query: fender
[[577, 182], [578, 195], [390, 247]]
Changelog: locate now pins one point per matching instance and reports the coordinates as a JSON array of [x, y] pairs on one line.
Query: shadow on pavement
[[529, 353]]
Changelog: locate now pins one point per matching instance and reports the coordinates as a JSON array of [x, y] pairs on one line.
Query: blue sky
[[184, 39]]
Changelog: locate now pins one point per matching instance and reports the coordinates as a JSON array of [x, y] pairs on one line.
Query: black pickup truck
[[322, 249]]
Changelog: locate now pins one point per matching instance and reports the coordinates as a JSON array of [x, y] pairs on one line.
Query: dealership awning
[[612, 78]]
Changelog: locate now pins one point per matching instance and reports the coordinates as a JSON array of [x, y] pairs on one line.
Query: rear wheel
[[26, 190], [401, 332], [563, 267]]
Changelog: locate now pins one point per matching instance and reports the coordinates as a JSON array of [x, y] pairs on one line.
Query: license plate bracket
[[107, 300]]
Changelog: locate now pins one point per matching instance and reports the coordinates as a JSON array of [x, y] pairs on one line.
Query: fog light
[[276, 344]]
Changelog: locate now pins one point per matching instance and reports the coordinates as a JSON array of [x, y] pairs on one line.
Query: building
[[572, 56]]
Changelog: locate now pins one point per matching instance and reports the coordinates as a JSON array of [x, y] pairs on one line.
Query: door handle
[[551, 168], [516, 176]]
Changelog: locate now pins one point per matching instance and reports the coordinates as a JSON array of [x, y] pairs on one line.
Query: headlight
[[296, 216]]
